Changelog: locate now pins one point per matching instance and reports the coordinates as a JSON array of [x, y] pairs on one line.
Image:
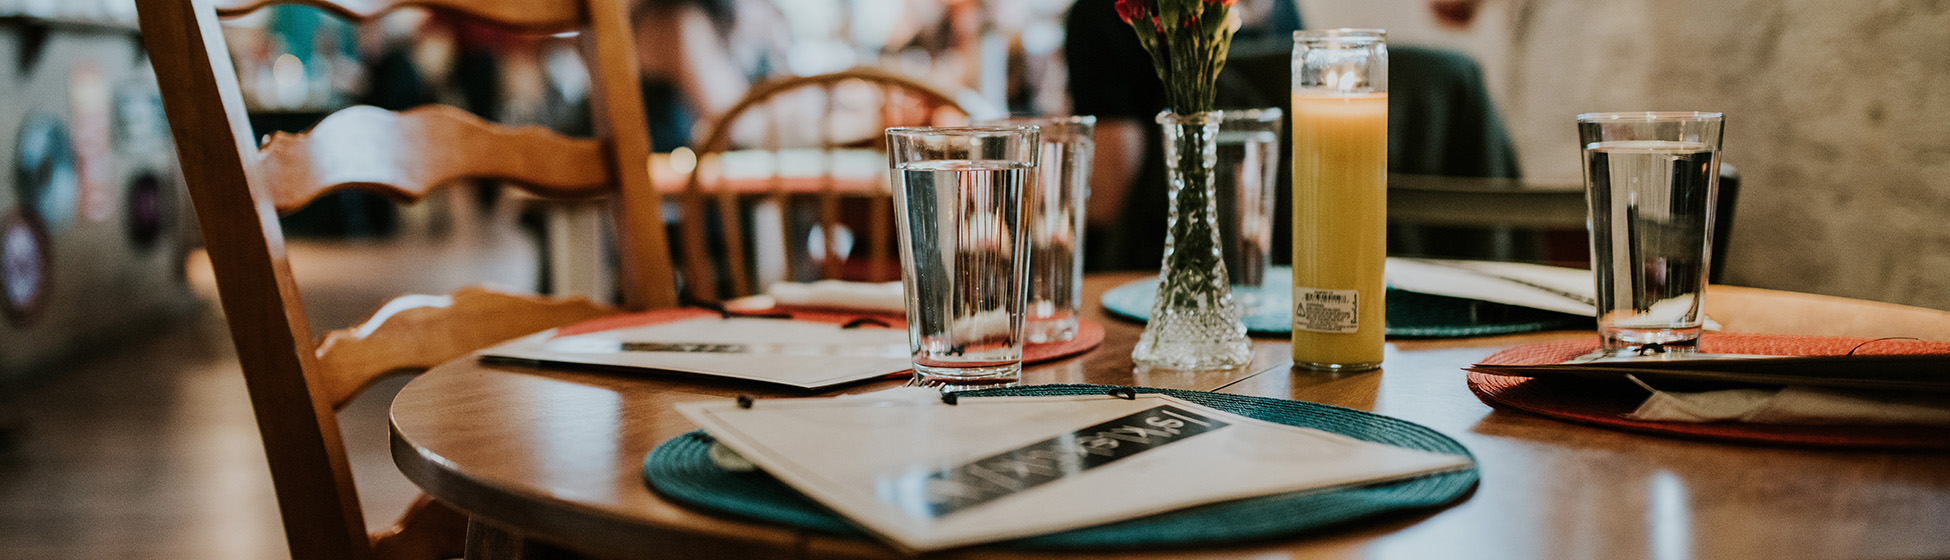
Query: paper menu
[[925, 475], [802, 354]]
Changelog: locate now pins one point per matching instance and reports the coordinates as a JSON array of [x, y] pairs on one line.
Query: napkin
[[1794, 404], [1551, 288], [883, 297]]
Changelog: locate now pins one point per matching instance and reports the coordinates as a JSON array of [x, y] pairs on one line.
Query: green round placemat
[[1268, 310], [681, 469]]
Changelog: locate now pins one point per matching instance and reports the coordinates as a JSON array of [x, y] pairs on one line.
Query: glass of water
[[958, 200], [1053, 206], [1651, 180], [1247, 174]]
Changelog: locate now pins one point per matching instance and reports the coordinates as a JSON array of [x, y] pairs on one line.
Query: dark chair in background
[[1511, 204], [1455, 187], [1442, 122]]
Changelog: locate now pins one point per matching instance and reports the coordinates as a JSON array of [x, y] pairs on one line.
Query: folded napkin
[[1551, 288], [883, 297], [1794, 404]]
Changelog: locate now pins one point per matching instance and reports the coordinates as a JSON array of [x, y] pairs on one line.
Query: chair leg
[[488, 542]]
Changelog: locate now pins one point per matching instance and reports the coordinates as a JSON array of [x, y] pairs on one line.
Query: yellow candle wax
[[1340, 214]]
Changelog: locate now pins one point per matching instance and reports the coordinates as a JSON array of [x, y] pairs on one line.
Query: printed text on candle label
[[1326, 311]]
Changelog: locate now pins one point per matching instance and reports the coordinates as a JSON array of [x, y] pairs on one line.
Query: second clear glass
[[1053, 206], [1247, 174]]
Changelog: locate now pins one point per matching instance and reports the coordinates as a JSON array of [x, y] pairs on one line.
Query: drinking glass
[[1651, 180], [1248, 171], [1053, 206], [958, 200]]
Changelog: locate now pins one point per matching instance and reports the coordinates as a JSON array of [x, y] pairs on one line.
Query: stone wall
[[1838, 116]]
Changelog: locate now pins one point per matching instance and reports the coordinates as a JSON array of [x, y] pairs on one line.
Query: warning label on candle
[[1326, 311]]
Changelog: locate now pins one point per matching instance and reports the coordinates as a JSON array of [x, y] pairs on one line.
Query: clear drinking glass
[[1248, 171], [958, 202], [1651, 180], [1054, 214]]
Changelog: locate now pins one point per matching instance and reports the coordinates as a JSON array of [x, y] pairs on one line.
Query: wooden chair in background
[[295, 384], [837, 162]]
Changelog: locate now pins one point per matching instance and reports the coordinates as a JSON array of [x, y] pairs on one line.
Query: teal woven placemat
[[681, 470], [1268, 310]]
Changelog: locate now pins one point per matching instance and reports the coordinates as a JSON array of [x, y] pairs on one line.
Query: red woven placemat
[[1604, 403], [1089, 333]]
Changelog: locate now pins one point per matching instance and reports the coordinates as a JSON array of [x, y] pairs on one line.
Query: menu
[[924, 475], [803, 354]]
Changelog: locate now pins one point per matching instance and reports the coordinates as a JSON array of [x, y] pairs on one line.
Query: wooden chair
[[239, 189], [852, 109]]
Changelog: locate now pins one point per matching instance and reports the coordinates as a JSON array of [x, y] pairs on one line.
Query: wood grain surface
[[555, 455]]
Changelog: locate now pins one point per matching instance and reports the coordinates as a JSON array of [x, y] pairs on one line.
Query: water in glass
[[1651, 211], [1055, 227], [964, 268], [1246, 176]]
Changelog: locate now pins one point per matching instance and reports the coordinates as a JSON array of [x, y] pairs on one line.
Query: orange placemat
[[1090, 334], [1603, 403]]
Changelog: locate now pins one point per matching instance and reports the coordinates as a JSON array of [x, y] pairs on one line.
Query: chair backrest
[[239, 188], [837, 164]]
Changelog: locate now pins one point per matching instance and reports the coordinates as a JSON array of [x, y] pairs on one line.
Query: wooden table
[[553, 457]]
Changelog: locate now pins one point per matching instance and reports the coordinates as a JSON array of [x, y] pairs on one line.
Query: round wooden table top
[[555, 456]]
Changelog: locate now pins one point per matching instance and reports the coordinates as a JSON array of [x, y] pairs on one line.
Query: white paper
[[797, 353], [926, 475], [1551, 288]]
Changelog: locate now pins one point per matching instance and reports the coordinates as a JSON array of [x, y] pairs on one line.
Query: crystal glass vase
[[1194, 322]]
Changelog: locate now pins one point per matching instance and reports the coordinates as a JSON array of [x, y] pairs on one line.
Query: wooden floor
[[149, 450]]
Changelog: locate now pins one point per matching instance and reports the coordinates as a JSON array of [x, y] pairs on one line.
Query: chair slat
[[830, 261], [881, 240], [731, 215], [700, 278], [776, 192], [522, 14], [407, 154], [417, 332]]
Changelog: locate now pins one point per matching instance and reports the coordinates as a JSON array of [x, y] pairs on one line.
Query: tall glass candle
[[1340, 197]]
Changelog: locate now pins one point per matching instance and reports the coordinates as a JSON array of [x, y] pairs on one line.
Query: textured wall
[[1838, 116]]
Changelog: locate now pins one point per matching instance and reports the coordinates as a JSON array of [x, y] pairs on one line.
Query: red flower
[[1134, 10], [1226, 3]]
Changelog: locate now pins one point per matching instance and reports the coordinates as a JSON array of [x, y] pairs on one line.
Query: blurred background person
[[698, 57]]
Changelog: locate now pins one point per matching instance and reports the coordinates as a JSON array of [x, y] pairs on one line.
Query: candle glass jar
[[1340, 196]]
